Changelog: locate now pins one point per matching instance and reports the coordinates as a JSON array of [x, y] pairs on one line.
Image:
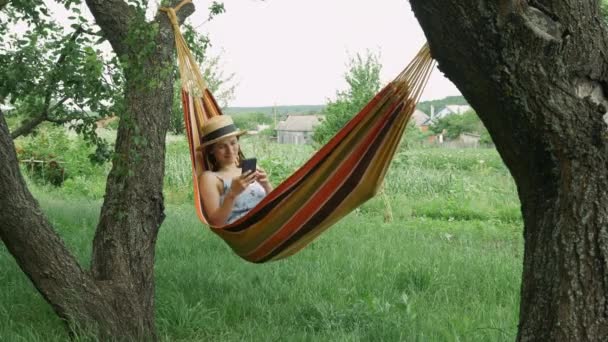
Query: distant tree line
[[438, 105]]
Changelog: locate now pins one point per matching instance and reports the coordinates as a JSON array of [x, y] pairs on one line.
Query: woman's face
[[226, 151]]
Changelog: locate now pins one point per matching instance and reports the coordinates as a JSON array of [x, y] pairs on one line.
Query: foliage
[[438, 105], [269, 133], [363, 78], [51, 157], [176, 120], [278, 110], [456, 124], [251, 120], [453, 254], [604, 10], [414, 137], [56, 75], [219, 84]]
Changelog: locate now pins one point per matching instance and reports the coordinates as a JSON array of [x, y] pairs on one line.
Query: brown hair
[[211, 163]]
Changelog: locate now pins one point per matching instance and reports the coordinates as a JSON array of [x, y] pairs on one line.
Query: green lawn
[[446, 268]]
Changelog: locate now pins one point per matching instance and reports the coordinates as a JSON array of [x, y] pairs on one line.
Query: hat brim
[[233, 134]]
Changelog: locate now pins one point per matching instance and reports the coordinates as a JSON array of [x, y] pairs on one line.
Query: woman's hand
[[262, 178], [240, 183]]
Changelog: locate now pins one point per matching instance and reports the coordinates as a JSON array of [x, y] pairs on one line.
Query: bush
[[456, 124], [51, 157], [363, 78]]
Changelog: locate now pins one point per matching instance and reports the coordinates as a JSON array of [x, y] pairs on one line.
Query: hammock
[[342, 175]]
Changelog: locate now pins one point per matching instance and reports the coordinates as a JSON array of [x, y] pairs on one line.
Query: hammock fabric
[[338, 178]]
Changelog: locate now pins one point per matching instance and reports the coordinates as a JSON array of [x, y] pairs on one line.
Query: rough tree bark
[[537, 74], [115, 299]]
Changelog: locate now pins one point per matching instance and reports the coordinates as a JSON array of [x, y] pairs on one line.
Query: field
[[436, 257]]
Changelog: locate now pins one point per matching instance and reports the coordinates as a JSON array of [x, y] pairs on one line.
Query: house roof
[[451, 109], [299, 123], [419, 117]]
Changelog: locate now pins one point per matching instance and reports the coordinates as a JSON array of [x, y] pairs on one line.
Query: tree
[[250, 121], [456, 124], [219, 84], [536, 75], [51, 75], [438, 105], [363, 78], [114, 299]]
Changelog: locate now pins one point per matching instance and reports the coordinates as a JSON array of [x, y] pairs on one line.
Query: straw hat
[[217, 128]]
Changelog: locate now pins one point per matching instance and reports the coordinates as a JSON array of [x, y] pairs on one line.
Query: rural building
[[451, 110], [421, 120], [297, 129], [469, 139], [464, 140]]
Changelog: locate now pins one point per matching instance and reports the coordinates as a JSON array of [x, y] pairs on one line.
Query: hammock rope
[[338, 178]]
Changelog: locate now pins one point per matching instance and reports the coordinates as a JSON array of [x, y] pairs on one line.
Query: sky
[[289, 52], [295, 52]]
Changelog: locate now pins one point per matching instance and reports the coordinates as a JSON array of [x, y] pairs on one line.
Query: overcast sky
[[293, 52]]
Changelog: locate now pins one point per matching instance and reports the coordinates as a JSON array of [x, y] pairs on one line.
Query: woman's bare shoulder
[[209, 177]]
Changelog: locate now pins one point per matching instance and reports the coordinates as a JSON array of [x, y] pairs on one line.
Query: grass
[[447, 268]]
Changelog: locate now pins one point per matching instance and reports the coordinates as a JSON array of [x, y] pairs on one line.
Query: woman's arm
[[215, 213]]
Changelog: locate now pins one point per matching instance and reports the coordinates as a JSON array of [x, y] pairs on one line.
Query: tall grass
[[447, 268]]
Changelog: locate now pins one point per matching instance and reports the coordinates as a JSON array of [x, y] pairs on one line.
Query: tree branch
[[3, 3], [30, 125], [38, 250], [114, 17], [58, 104], [47, 109], [52, 80], [184, 12]]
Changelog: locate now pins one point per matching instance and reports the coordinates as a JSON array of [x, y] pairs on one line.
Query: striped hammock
[[341, 176]]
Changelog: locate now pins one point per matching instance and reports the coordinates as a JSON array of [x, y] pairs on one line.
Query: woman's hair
[[209, 159]]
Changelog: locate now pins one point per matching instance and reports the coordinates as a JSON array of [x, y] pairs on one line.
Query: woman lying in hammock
[[227, 193]]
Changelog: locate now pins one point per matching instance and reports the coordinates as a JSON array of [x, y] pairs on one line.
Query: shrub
[[51, 156]]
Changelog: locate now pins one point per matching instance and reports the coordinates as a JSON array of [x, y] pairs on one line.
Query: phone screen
[[248, 165]]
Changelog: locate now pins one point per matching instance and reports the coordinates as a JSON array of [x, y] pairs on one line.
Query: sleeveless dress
[[244, 202]]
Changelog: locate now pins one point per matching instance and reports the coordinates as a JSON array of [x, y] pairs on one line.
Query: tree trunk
[[41, 253], [537, 75], [115, 300]]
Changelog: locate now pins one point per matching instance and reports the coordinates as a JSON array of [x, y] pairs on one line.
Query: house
[[420, 119], [469, 139], [465, 139], [451, 110], [297, 129]]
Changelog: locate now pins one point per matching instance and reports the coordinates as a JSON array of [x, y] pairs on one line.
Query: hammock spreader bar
[[342, 175]]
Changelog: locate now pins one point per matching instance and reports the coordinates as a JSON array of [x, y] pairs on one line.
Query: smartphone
[[248, 164]]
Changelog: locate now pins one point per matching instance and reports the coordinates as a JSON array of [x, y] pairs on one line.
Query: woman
[[226, 192]]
